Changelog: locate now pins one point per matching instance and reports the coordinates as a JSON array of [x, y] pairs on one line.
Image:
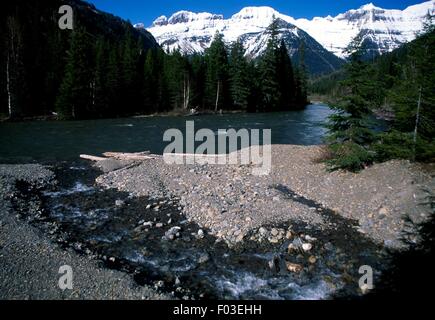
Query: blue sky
[[147, 10]]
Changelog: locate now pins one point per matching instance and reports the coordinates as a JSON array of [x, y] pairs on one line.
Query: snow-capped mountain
[[193, 32], [384, 29]]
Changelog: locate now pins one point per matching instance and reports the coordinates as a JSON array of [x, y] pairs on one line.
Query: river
[[122, 230], [66, 140]]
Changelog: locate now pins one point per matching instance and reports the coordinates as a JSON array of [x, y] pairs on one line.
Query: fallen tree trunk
[[129, 156], [138, 156], [92, 158]]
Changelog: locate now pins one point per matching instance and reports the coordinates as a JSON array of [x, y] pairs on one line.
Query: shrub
[[349, 156]]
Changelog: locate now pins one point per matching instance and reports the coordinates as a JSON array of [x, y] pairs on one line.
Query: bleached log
[[129, 156], [92, 158]]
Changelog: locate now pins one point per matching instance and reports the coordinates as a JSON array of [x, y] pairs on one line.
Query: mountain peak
[[181, 16], [139, 26], [161, 21], [188, 16], [263, 12], [369, 7]]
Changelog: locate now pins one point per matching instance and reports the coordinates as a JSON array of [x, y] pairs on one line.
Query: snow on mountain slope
[[385, 30], [194, 31]]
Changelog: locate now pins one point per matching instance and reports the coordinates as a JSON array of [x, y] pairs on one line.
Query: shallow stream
[[153, 241]]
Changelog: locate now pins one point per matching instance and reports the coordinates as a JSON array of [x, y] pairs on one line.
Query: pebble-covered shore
[[224, 201], [30, 262], [231, 201]]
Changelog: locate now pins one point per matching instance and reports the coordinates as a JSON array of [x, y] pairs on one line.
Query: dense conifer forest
[[105, 67]]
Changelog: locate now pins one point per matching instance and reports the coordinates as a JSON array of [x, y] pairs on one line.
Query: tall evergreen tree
[[100, 92], [301, 79], [268, 67], [217, 78], [54, 67], [239, 74], [113, 81], [156, 89], [75, 95], [350, 128], [255, 96], [130, 57], [187, 81], [149, 82], [178, 75], [286, 79], [16, 88], [198, 81]]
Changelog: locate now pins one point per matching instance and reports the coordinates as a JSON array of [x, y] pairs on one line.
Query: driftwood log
[[92, 158], [146, 155], [129, 156], [138, 156]]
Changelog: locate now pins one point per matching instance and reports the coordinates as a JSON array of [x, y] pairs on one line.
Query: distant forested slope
[[35, 52], [105, 67]]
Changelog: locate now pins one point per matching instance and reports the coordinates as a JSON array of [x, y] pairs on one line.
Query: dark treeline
[[326, 85], [106, 68], [37, 56], [399, 85]]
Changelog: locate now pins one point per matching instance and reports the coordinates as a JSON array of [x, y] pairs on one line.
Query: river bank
[[30, 261], [201, 231], [231, 201], [172, 113]]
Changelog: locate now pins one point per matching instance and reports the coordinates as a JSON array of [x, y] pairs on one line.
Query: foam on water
[[315, 291], [90, 216], [77, 188], [246, 284]]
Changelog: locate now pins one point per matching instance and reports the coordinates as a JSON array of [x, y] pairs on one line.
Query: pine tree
[[198, 81], [217, 79], [75, 95], [178, 75], [156, 91], [268, 68], [15, 72], [113, 82], [255, 96], [301, 79], [54, 67], [100, 93], [187, 79], [130, 59], [149, 82], [286, 79], [350, 129], [240, 81]]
